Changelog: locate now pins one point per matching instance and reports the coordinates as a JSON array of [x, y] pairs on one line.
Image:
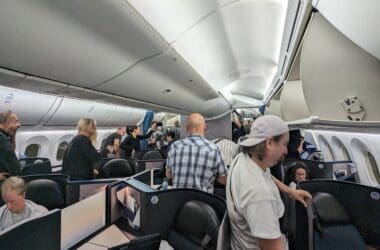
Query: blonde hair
[[14, 183], [85, 124]]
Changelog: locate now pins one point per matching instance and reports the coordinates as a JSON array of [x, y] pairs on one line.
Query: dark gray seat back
[[332, 225], [196, 227]]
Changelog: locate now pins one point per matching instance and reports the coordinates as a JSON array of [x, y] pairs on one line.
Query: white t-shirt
[[293, 185], [255, 206]]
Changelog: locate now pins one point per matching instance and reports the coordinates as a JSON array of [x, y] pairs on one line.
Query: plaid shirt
[[195, 162]]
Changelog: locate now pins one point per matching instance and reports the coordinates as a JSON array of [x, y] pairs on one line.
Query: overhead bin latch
[[354, 109]]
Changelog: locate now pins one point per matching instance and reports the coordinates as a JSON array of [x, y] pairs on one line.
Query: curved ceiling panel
[[172, 17], [358, 20], [227, 41], [79, 42], [219, 39], [334, 68], [169, 81], [30, 107]]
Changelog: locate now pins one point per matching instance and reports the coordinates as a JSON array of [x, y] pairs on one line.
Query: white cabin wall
[[355, 143], [50, 140]]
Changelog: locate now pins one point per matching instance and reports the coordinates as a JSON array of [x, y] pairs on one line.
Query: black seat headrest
[[152, 155], [329, 210], [118, 168], [197, 219], [46, 193]]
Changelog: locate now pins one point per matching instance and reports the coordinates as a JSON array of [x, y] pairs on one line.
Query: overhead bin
[[122, 116], [334, 70], [84, 43], [30, 107], [274, 108], [358, 20], [71, 110], [292, 102], [169, 81]]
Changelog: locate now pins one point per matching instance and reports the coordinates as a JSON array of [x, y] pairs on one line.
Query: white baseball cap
[[264, 127]]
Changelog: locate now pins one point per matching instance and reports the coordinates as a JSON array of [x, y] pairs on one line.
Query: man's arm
[[116, 147], [271, 244], [169, 174], [222, 179], [297, 194]]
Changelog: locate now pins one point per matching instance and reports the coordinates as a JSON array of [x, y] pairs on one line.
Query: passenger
[[237, 130], [131, 144], [253, 200], [294, 145], [177, 130], [111, 146], [170, 137], [9, 164], [195, 162], [151, 141], [228, 148], [157, 138], [80, 155], [17, 208], [300, 174]]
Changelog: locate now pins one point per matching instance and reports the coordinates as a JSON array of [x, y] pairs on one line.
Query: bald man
[[195, 162]]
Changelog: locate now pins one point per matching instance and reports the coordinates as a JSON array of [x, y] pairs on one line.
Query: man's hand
[[300, 195], [4, 175], [96, 172]]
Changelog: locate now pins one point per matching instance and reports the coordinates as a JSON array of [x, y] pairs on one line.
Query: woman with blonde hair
[[80, 155]]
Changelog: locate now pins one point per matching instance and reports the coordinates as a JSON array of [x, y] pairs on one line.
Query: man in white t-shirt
[[17, 208], [253, 199]]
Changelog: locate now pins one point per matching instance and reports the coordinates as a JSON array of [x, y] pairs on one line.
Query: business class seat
[[46, 193], [196, 227], [117, 168], [43, 167], [152, 155], [332, 225]]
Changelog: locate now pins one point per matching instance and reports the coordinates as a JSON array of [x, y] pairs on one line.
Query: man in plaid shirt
[[195, 162]]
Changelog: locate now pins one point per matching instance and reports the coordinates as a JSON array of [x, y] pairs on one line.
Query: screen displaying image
[[130, 200]]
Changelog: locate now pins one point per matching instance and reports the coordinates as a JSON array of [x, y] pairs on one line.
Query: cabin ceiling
[[173, 55]]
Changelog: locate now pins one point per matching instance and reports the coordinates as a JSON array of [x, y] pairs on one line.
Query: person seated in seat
[[300, 173], [17, 208]]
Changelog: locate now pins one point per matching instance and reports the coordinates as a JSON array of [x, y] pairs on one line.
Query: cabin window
[[343, 152], [61, 150], [326, 149], [373, 165], [32, 150]]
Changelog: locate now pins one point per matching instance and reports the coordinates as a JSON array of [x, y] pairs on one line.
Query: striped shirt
[[228, 148], [195, 162]]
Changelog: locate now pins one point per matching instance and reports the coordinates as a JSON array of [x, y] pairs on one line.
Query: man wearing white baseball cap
[[253, 199]]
